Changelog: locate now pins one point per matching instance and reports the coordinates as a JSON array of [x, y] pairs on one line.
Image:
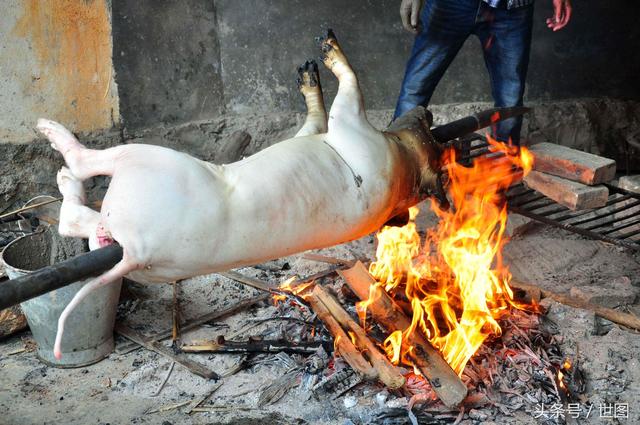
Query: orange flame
[[455, 282], [561, 383], [286, 286], [566, 366]]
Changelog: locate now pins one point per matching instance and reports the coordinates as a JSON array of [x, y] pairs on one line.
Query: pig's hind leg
[[76, 219], [118, 271], [309, 85], [82, 162]]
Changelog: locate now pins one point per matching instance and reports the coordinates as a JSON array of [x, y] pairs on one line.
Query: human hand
[[409, 13], [561, 14]]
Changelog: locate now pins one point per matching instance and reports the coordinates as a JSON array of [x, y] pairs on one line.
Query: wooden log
[[625, 319], [575, 196], [387, 373], [444, 381], [343, 343], [12, 320], [572, 164]]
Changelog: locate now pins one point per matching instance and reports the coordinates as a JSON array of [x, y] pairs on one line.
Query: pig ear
[[117, 272]]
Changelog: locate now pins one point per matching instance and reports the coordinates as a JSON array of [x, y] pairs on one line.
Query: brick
[[630, 183], [572, 164], [12, 320], [518, 225], [573, 195]]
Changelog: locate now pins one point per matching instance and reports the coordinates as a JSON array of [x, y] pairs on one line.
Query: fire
[[454, 282], [566, 367], [286, 288]]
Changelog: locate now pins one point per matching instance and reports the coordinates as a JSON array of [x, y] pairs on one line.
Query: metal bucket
[[88, 333]]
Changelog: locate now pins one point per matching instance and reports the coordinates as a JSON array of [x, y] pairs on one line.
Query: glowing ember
[[455, 283]]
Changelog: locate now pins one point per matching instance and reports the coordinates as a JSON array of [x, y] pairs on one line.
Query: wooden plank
[[444, 381], [156, 346], [572, 164], [573, 195]]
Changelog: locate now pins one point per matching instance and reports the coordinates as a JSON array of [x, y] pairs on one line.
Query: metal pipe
[[466, 125], [50, 278]]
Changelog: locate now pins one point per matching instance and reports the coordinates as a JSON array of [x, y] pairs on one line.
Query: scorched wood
[[387, 373], [343, 345]]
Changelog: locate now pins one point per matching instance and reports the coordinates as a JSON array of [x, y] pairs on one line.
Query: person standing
[[504, 30]]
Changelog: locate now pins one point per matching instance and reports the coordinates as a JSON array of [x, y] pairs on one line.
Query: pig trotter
[[309, 85], [64, 142], [308, 75], [61, 139], [83, 163], [117, 272], [347, 110], [332, 55]]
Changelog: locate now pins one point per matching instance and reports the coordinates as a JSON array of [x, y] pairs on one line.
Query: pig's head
[[412, 130]]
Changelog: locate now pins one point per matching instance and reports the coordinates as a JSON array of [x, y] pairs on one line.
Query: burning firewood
[[388, 374], [446, 384], [343, 344]]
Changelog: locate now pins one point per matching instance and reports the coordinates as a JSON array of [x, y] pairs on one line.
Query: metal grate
[[618, 222]]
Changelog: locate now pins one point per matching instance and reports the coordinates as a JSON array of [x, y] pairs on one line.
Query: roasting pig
[[176, 216]]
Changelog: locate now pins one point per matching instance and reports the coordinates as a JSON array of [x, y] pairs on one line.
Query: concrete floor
[[121, 388]]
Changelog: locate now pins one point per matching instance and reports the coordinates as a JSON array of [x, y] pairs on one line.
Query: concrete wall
[[167, 61], [55, 62], [186, 60], [177, 61]]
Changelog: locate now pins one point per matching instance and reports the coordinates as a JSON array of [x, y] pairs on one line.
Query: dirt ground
[[124, 388]]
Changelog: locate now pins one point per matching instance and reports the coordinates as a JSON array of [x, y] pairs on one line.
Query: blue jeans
[[505, 37]]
